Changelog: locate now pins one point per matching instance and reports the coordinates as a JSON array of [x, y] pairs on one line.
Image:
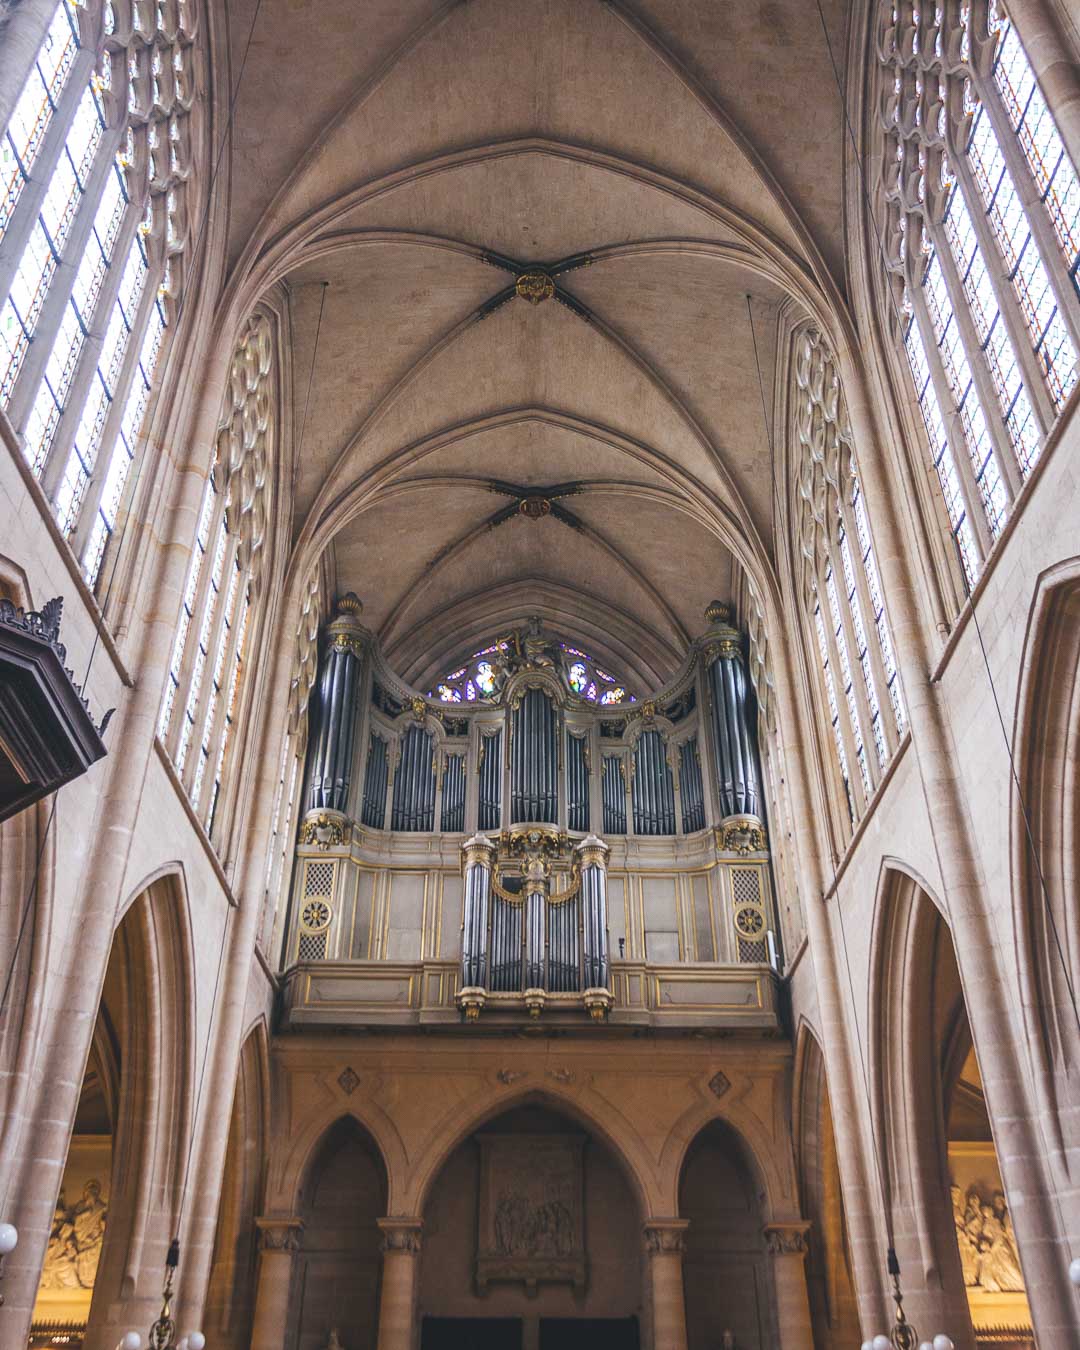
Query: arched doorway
[[725, 1268], [336, 1274], [954, 1233], [532, 1241], [119, 1197], [833, 1310]]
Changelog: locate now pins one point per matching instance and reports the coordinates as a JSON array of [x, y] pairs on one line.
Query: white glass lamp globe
[[196, 1341], [881, 1343], [132, 1341], [9, 1238], [926, 1345], [1074, 1271], [942, 1342]]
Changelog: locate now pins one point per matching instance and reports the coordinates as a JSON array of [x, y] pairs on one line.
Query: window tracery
[[94, 172], [982, 239], [206, 671], [482, 677], [839, 579]]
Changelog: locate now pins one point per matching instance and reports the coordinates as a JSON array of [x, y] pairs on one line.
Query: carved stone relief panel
[[77, 1234], [531, 1227]]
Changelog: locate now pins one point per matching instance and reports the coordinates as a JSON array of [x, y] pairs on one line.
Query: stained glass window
[[483, 675], [92, 250], [982, 215]]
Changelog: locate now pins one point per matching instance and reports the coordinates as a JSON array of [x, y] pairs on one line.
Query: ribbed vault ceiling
[[415, 157]]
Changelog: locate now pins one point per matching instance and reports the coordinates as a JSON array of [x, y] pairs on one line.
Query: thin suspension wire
[[834, 884], [123, 535], [1044, 891]]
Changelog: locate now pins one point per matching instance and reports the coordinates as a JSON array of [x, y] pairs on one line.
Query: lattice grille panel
[[312, 947], [319, 879], [748, 914]]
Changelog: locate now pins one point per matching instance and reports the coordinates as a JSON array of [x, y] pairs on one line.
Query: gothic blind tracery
[[94, 224], [982, 237], [839, 577], [204, 686]]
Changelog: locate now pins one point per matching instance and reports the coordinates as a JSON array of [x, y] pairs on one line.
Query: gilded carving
[[535, 287], [984, 1233], [322, 831], [741, 836]]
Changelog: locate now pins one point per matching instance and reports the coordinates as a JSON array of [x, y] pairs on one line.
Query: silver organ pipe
[[577, 783], [490, 808], [693, 796], [614, 796], [373, 808], [453, 794], [414, 783], [654, 787], [534, 760]]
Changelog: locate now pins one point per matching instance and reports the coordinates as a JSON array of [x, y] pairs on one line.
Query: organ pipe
[[592, 855], [614, 796], [490, 770], [534, 760], [414, 782], [453, 794], [734, 738], [654, 787], [577, 782], [478, 854], [693, 795], [373, 807], [331, 752]]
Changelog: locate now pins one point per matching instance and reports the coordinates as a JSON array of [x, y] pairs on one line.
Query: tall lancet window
[[94, 166], [205, 674], [838, 575], [982, 235]]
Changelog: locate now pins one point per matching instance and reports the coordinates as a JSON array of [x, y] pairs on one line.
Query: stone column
[[397, 1299], [786, 1245], [279, 1241], [477, 855], [665, 1241], [331, 750]]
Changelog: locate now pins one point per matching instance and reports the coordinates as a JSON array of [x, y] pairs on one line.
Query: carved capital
[[279, 1234], [400, 1234], [787, 1239], [478, 849], [666, 1237]]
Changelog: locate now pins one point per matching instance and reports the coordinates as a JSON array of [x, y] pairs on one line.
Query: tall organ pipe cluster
[[737, 770], [331, 753]]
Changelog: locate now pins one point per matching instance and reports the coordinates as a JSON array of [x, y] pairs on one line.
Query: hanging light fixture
[[9, 1240], [903, 1335], [163, 1331]]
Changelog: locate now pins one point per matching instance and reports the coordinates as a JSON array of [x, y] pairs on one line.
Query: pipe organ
[[529, 817]]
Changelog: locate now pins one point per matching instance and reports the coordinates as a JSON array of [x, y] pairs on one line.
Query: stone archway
[[532, 1239], [726, 1272]]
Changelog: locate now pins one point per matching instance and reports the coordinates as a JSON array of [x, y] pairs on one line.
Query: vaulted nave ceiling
[[676, 156]]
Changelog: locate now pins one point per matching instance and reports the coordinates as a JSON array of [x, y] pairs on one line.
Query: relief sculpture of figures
[[75, 1242], [526, 1229], [984, 1233]]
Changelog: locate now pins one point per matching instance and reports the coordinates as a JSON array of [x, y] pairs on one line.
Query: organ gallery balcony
[[679, 997]]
